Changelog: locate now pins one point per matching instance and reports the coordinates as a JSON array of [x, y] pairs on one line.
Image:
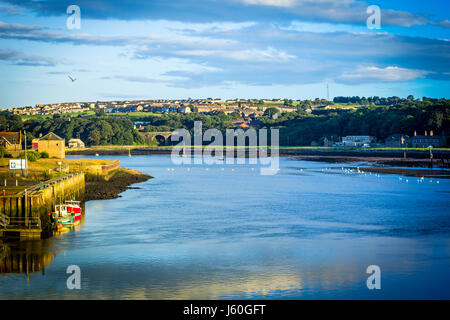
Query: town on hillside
[[390, 122]]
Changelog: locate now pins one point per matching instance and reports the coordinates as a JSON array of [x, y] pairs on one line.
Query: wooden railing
[[46, 184], [30, 223]]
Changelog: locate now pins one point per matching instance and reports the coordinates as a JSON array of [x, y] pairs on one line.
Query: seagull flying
[[73, 79]]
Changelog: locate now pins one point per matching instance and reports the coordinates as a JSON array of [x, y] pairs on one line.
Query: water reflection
[[25, 257], [33, 256], [71, 228], [308, 232]]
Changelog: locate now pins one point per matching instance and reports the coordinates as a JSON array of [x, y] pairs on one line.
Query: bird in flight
[[73, 79]]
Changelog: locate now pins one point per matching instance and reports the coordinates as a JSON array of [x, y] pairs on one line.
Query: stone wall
[[54, 148], [38, 203]]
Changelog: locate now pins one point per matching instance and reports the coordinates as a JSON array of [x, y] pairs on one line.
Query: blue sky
[[221, 48]]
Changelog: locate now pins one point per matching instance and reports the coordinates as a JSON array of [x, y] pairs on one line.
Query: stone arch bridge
[[161, 137]]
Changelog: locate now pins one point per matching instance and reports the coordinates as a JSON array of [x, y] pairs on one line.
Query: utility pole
[[328, 92]]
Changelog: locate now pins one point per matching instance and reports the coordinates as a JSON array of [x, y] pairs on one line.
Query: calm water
[[200, 232]]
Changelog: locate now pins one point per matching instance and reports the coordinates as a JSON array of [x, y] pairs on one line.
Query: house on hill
[[11, 141], [76, 143], [53, 144]]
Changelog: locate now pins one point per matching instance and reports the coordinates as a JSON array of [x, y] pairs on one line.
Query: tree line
[[301, 127], [407, 117], [94, 130]]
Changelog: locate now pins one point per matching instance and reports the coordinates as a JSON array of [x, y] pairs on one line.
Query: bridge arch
[[161, 137]]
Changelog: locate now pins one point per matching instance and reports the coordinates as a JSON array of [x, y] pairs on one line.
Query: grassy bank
[[45, 169]]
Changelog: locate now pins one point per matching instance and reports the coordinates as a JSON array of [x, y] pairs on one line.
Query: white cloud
[[255, 55], [293, 3], [274, 3], [375, 74]]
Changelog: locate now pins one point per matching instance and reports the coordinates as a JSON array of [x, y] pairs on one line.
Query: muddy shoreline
[[110, 187], [384, 165]]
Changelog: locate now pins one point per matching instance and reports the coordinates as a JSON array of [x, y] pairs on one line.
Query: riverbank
[[378, 160], [104, 178], [110, 186], [389, 165], [331, 152]]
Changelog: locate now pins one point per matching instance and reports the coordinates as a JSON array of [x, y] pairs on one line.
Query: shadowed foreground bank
[[101, 187]]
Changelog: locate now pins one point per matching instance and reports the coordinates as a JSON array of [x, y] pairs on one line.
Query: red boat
[[68, 213]]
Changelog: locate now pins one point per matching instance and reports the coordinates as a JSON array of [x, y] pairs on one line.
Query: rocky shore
[[111, 186]]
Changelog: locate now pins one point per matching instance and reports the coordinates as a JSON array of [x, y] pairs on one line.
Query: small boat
[[67, 214]]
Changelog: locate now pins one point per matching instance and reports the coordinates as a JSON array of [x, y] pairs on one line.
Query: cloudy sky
[[221, 48]]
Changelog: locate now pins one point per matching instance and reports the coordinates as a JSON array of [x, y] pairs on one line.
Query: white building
[[357, 141]]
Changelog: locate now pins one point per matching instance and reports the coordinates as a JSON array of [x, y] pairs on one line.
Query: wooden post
[[431, 159], [19, 207], [26, 207]]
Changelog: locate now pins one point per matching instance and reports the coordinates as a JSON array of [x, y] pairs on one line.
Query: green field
[[136, 114], [49, 116]]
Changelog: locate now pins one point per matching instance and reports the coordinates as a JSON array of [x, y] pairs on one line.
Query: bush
[[4, 153], [44, 155], [33, 156]]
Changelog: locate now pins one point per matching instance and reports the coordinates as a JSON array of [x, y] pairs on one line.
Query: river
[[226, 231]]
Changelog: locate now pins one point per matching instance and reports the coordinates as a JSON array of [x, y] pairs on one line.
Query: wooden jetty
[[25, 214]]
